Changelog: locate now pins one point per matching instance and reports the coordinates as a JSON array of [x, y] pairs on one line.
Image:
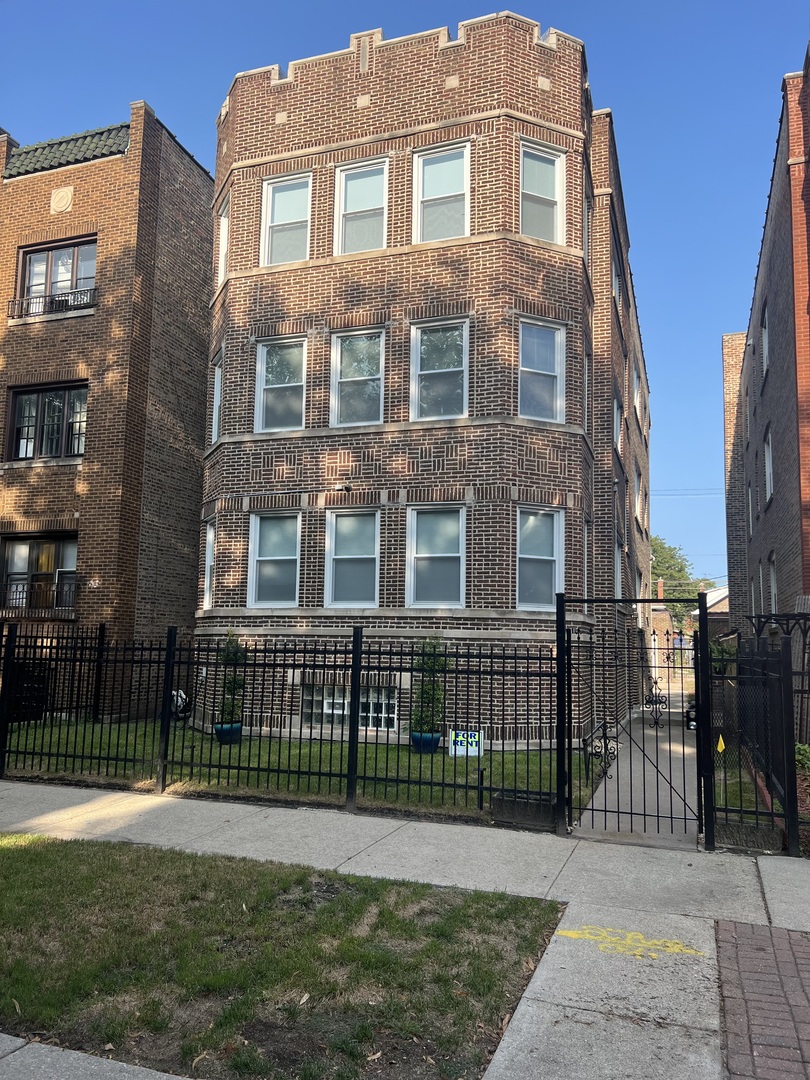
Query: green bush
[[803, 756], [233, 657], [427, 708]]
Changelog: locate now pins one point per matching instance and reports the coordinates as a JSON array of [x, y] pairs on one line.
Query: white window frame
[[753, 598], [340, 200], [261, 356], [768, 455], [267, 187], [210, 563], [252, 602], [558, 558], [763, 329], [329, 577], [618, 570], [772, 582], [618, 422], [411, 556], [639, 506], [223, 219], [336, 381], [559, 355], [587, 365], [216, 411], [761, 590], [437, 151], [558, 156], [750, 513], [747, 416], [416, 337]]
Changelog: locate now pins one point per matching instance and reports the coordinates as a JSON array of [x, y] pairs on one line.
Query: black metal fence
[[452, 726], [753, 746]]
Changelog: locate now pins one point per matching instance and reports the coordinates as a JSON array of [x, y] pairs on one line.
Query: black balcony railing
[[20, 598], [54, 304]]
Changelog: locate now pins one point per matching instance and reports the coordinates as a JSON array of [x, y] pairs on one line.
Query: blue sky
[[695, 89]]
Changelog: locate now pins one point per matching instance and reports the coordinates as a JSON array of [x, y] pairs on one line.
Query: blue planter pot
[[426, 742], [228, 733]]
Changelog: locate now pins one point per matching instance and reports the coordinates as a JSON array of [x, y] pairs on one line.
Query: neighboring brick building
[[766, 379], [428, 402], [105, 268]]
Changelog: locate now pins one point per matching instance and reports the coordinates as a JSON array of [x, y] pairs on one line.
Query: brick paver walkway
[[765, 987]]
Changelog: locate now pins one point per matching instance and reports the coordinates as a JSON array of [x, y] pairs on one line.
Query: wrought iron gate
[[628, 709]]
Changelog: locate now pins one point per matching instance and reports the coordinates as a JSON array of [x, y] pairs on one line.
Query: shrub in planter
[[233, 657], [427, 705]]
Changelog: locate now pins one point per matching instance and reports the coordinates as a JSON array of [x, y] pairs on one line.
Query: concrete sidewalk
[[628, 988]]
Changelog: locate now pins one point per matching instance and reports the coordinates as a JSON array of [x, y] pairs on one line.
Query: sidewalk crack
[[373, 843]]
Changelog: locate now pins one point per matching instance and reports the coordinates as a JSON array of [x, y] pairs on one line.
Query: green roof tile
[[86, 146]]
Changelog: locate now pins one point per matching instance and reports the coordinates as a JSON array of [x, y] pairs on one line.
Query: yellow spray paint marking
[[629, 943], [720, 744]]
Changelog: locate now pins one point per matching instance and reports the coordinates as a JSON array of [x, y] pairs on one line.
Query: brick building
[[766, 381], [105, 269], [428, 402]]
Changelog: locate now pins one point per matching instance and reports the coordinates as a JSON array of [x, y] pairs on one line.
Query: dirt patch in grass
[[224, 968]]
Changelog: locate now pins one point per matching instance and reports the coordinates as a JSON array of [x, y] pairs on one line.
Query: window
[[616, 270], [352, 543], [541, 188], [210, 550], [586, 557], [753, 598], [761, 590], [361, 208], [442, 183], [280, 385], [435, 558], [586, 390], [747, 417], [587, 210], [273, 567], [539, 558], [772, 582], [56, 279], [357, 378], [637, 500], [750, 514], [329, 705], [222, 256], [541, 390], [286, 220], [40, 573], [764, 332], [49, 423], [439, 370], [768, 448], [618, 418], [646, 509], [618, 560], [637, 389], [216, 412]]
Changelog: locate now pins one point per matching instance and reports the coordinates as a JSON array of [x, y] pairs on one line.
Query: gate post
[[354, 718], [562, 716], [703, 700], [6, 692], [789, 749], [166, 709]]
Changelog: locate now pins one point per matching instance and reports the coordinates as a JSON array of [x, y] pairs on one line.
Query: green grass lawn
[[225, 968], [388, 773]]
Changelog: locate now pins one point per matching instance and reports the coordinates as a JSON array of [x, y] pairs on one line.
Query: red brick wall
[[100, 498], [492, 87]]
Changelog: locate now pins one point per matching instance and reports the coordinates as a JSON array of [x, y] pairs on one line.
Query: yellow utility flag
[[720, 745]]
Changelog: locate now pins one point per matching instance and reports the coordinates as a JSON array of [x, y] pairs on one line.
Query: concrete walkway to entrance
[[628, 988], [650, 793]]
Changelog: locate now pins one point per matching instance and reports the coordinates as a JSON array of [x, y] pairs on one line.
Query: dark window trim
[[32, 596], [40, 389], [48, 303]]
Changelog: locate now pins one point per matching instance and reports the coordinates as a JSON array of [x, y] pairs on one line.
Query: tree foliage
[[670, 564]]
